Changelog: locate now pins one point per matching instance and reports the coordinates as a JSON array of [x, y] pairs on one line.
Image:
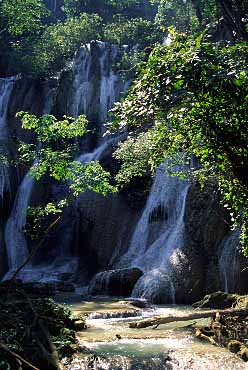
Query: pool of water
[[112, 345]]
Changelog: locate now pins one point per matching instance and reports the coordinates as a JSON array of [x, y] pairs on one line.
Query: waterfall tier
[[176, 237]]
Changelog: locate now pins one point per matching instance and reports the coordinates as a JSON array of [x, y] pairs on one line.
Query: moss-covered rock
[[220, 300]]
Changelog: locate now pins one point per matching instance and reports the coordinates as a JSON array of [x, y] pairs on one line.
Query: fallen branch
[[200, 335], [158, 320], [53, 356], [18, 357], [34, 251]]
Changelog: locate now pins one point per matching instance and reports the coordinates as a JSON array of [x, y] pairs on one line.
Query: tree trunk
[[234, 11], [158, 320]]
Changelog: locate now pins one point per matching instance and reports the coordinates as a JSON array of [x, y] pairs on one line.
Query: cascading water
[[6, 86], [16, 244], [82, 86], [109, 91], [158, 239], [112, 345], [14, 237], [96, 87], [92, 93], [228, 262], [96, 154]]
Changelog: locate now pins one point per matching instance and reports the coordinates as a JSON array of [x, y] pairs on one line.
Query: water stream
[[15, 239], [156, 247], [92, 92], [6, 86], [111, 345], [229, 262]]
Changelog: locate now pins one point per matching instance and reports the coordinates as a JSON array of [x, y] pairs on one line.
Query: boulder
[[220, 300], [138, 302], [115, 282]]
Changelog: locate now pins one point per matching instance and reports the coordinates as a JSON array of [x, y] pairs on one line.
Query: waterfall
[[16, 244], [82, 87], [96, 87], [15, 240], [6, 86], [158, 239], [109, 94], [97, 154], [228, 262]]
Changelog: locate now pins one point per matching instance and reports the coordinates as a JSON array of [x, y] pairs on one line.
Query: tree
[[188, 15], [108, 8], [59, 42], [191, 98], [54, 156], [22, 17], [235, 14], [133, 32]]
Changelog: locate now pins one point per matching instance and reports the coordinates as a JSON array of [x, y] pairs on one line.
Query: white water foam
[[158, 238]]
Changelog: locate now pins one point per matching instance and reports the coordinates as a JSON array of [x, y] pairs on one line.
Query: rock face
[[165, 240], [115, 282]]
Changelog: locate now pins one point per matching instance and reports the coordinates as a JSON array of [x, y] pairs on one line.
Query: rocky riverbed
[[110, 344]]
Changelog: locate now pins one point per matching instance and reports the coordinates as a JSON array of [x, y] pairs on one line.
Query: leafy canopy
[[59, 41], [191, 99], [21, 17], [54, 155]]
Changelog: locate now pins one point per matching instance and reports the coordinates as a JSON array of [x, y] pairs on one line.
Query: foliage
[[54, 157], [59, 41], [107, 8], [41, 218], [177, 13], [25, 323], [135, 31], [191, 15], [131, 62], [21, 23], [191, 99], [22, 17], [35, 47]]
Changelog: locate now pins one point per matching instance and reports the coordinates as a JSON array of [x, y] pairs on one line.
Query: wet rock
[[138, 302], [45, 289], [65, 276], [34, 288], [115, 282], [158, 214], [217, 300]]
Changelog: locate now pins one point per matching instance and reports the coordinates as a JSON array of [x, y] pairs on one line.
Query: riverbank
[[35, 332]]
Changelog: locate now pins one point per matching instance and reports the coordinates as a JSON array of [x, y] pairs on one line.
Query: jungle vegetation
[[189, 94]]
